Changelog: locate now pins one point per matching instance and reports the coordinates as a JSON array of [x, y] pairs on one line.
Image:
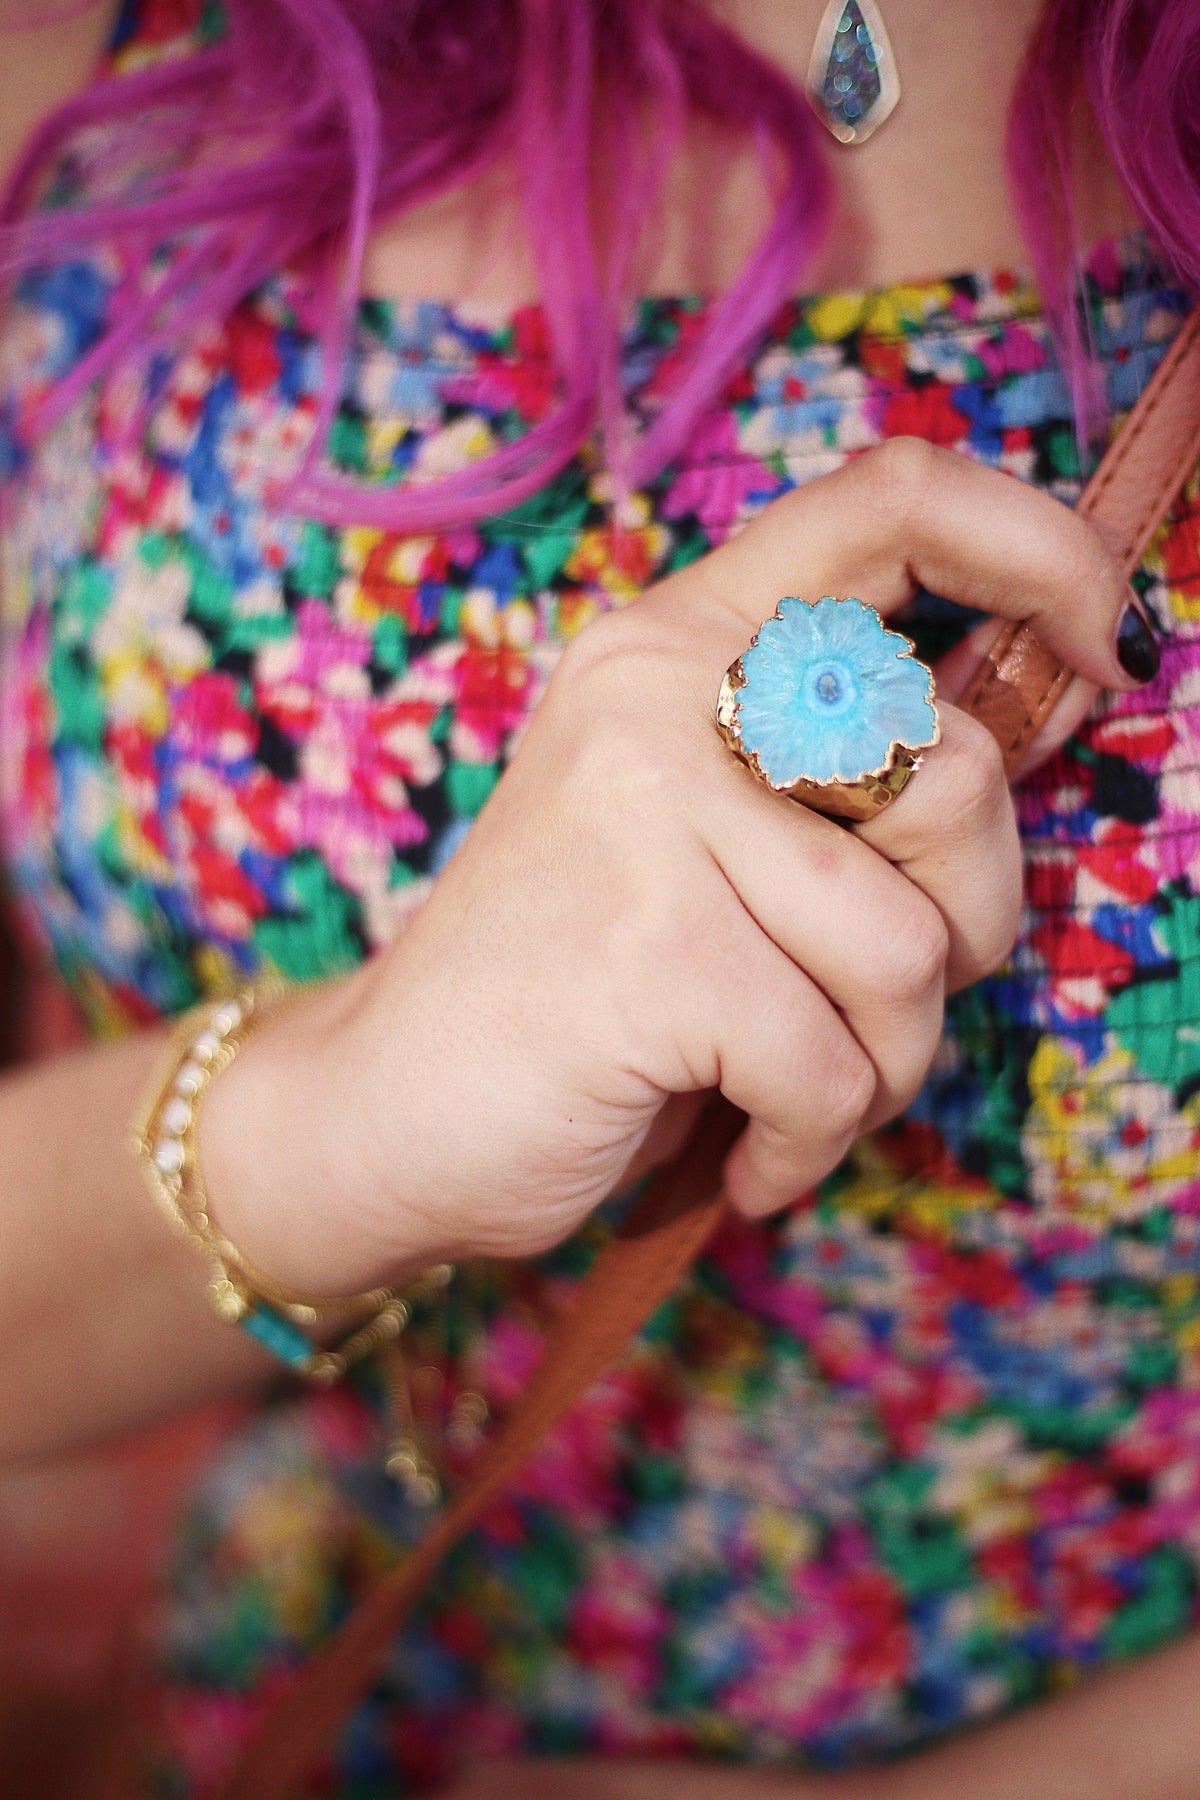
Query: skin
[[625, 884]]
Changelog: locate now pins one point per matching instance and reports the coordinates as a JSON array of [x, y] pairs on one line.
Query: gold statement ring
[[829, 707]]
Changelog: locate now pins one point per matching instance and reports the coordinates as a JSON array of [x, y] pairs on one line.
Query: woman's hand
[[633, 920]]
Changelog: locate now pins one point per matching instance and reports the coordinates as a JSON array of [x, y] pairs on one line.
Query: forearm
[[104, 1321], [1129, 1731]]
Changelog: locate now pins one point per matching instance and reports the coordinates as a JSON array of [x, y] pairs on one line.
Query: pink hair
[[1137, 63], [320, 117]]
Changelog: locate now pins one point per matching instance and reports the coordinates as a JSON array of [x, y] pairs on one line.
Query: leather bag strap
[[1018, 684], [1013, 692], [657, 1243]]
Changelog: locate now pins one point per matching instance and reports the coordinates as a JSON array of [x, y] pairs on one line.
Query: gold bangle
[[280, 1318]]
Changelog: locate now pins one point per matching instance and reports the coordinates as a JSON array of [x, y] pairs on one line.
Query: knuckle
[[682, 928], [1080, 563], [613, 743], [903, 472], [919, 950], [850, 1090], [993, 935], [656, 936], [768, 1176], [596, 769], [616, 652], [906, 1091], [973, 770], [643, 781], [602, 650]]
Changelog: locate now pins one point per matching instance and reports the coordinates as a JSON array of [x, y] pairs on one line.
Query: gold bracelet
[[209, 1038]]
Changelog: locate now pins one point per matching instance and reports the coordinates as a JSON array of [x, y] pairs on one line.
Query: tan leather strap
[[1013, 693], [1019, 683]]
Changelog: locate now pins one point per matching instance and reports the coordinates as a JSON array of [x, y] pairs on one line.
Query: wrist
[[283, 1152]]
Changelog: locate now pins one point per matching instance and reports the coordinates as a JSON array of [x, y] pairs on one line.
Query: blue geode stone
[[828, 694]]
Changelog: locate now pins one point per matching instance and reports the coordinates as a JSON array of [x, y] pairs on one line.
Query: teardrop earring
[[852, 80]]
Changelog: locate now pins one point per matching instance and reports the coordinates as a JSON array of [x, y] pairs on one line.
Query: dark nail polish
[[1137, 651]]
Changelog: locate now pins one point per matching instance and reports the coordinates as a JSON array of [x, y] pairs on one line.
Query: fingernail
[[1137, 651]]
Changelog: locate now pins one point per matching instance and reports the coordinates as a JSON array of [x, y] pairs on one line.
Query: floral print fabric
[[925, 1447]]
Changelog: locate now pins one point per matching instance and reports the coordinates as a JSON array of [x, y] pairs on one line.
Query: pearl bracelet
[[165, 1140]]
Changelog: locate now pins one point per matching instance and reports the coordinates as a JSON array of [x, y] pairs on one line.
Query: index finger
[[909, 514]]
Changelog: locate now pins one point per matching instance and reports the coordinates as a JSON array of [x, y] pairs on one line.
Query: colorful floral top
[[926, 1446]]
